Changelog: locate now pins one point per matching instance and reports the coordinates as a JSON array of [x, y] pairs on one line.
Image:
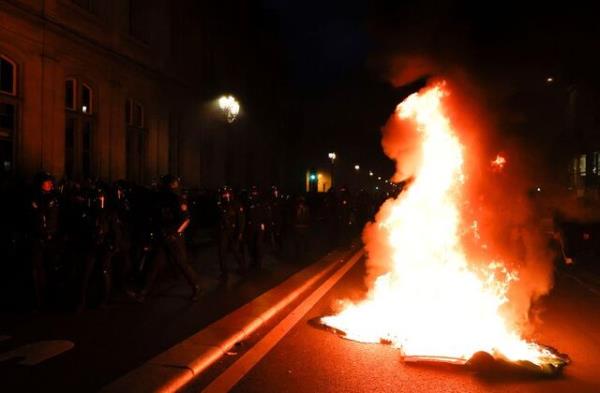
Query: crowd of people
[[76, 243]]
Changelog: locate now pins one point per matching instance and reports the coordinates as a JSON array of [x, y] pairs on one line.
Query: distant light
[[319, 175], [498, 163], [377, 188], [549, 79], [357, 167], [84, 109], [379, 178], [370, 173], [313, 177], [538, 189], [230, 106], [386, 182], [332, 156]]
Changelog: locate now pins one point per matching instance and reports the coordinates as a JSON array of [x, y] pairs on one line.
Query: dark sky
[[340, 56]]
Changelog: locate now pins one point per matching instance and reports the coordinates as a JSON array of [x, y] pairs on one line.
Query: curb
[[176, 366]]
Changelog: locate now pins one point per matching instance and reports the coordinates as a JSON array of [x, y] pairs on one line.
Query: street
[[109, 342], [309, 359]]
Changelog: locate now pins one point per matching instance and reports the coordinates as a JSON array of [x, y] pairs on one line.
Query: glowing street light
[[357, 167], [379, 178], [230, 106], [370, 173], [332, 157]]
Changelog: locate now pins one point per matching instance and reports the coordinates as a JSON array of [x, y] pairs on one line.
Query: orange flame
[[498, 163], [434, 301]]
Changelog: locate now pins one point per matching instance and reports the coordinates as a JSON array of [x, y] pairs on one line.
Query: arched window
[[79, 129], [9, 109], [8, 76], [135, 140]]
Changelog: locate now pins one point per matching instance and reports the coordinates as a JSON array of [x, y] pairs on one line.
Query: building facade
[[92, 88]]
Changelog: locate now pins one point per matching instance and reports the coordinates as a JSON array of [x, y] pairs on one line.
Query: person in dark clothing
[[230, 232], [172, 219], [99, 243], [123, 224], [45, 227], [301, 227], [274, 211], [256, 226]]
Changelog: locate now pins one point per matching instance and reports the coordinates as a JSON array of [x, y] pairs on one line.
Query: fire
[[498, 163], [434, 301]]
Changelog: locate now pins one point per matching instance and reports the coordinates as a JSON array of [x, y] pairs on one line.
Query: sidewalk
[[113, 341]]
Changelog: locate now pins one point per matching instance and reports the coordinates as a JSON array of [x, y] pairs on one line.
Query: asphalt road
[[308, 359], [110, 342]]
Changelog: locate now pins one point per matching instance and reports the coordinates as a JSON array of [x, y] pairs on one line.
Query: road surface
[[308, 359]]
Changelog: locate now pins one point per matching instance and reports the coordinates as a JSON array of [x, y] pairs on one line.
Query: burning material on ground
[[432, 299]]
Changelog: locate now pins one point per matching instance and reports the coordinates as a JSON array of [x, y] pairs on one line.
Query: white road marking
[[37, 352], [230, 377]]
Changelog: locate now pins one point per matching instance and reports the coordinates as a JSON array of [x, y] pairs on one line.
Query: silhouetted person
[[100, 223], [274, 210], [172, 219], [230, 232], [301, 227], [256, 226], [45, 226]]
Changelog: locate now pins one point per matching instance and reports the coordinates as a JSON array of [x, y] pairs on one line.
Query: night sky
[[341, 56]]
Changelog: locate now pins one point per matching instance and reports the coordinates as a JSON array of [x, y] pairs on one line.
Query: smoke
[[500, 203]]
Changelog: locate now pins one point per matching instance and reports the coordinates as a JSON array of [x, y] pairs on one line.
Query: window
[[9, 109], [134, 114], [135, 140], [86, 99], [582, 167], [70, 93], [8, 76], [596, 163], [79, 130]]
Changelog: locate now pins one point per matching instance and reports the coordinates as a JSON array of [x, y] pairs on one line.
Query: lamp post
[[230, 108], [332, 157]]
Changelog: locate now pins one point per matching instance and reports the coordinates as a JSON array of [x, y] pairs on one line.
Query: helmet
[[225, 194], [170, 181], [44, 181], [274, 192], [43, 176]]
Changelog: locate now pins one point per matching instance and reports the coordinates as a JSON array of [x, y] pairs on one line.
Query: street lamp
[[332, 157], [370, 173], [230, 106], [357, 167]]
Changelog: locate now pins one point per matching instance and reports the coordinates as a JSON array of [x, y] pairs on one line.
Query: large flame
[[435, 301]]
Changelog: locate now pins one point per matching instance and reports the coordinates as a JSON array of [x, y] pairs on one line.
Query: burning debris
[[498, 163], [434, 302]]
